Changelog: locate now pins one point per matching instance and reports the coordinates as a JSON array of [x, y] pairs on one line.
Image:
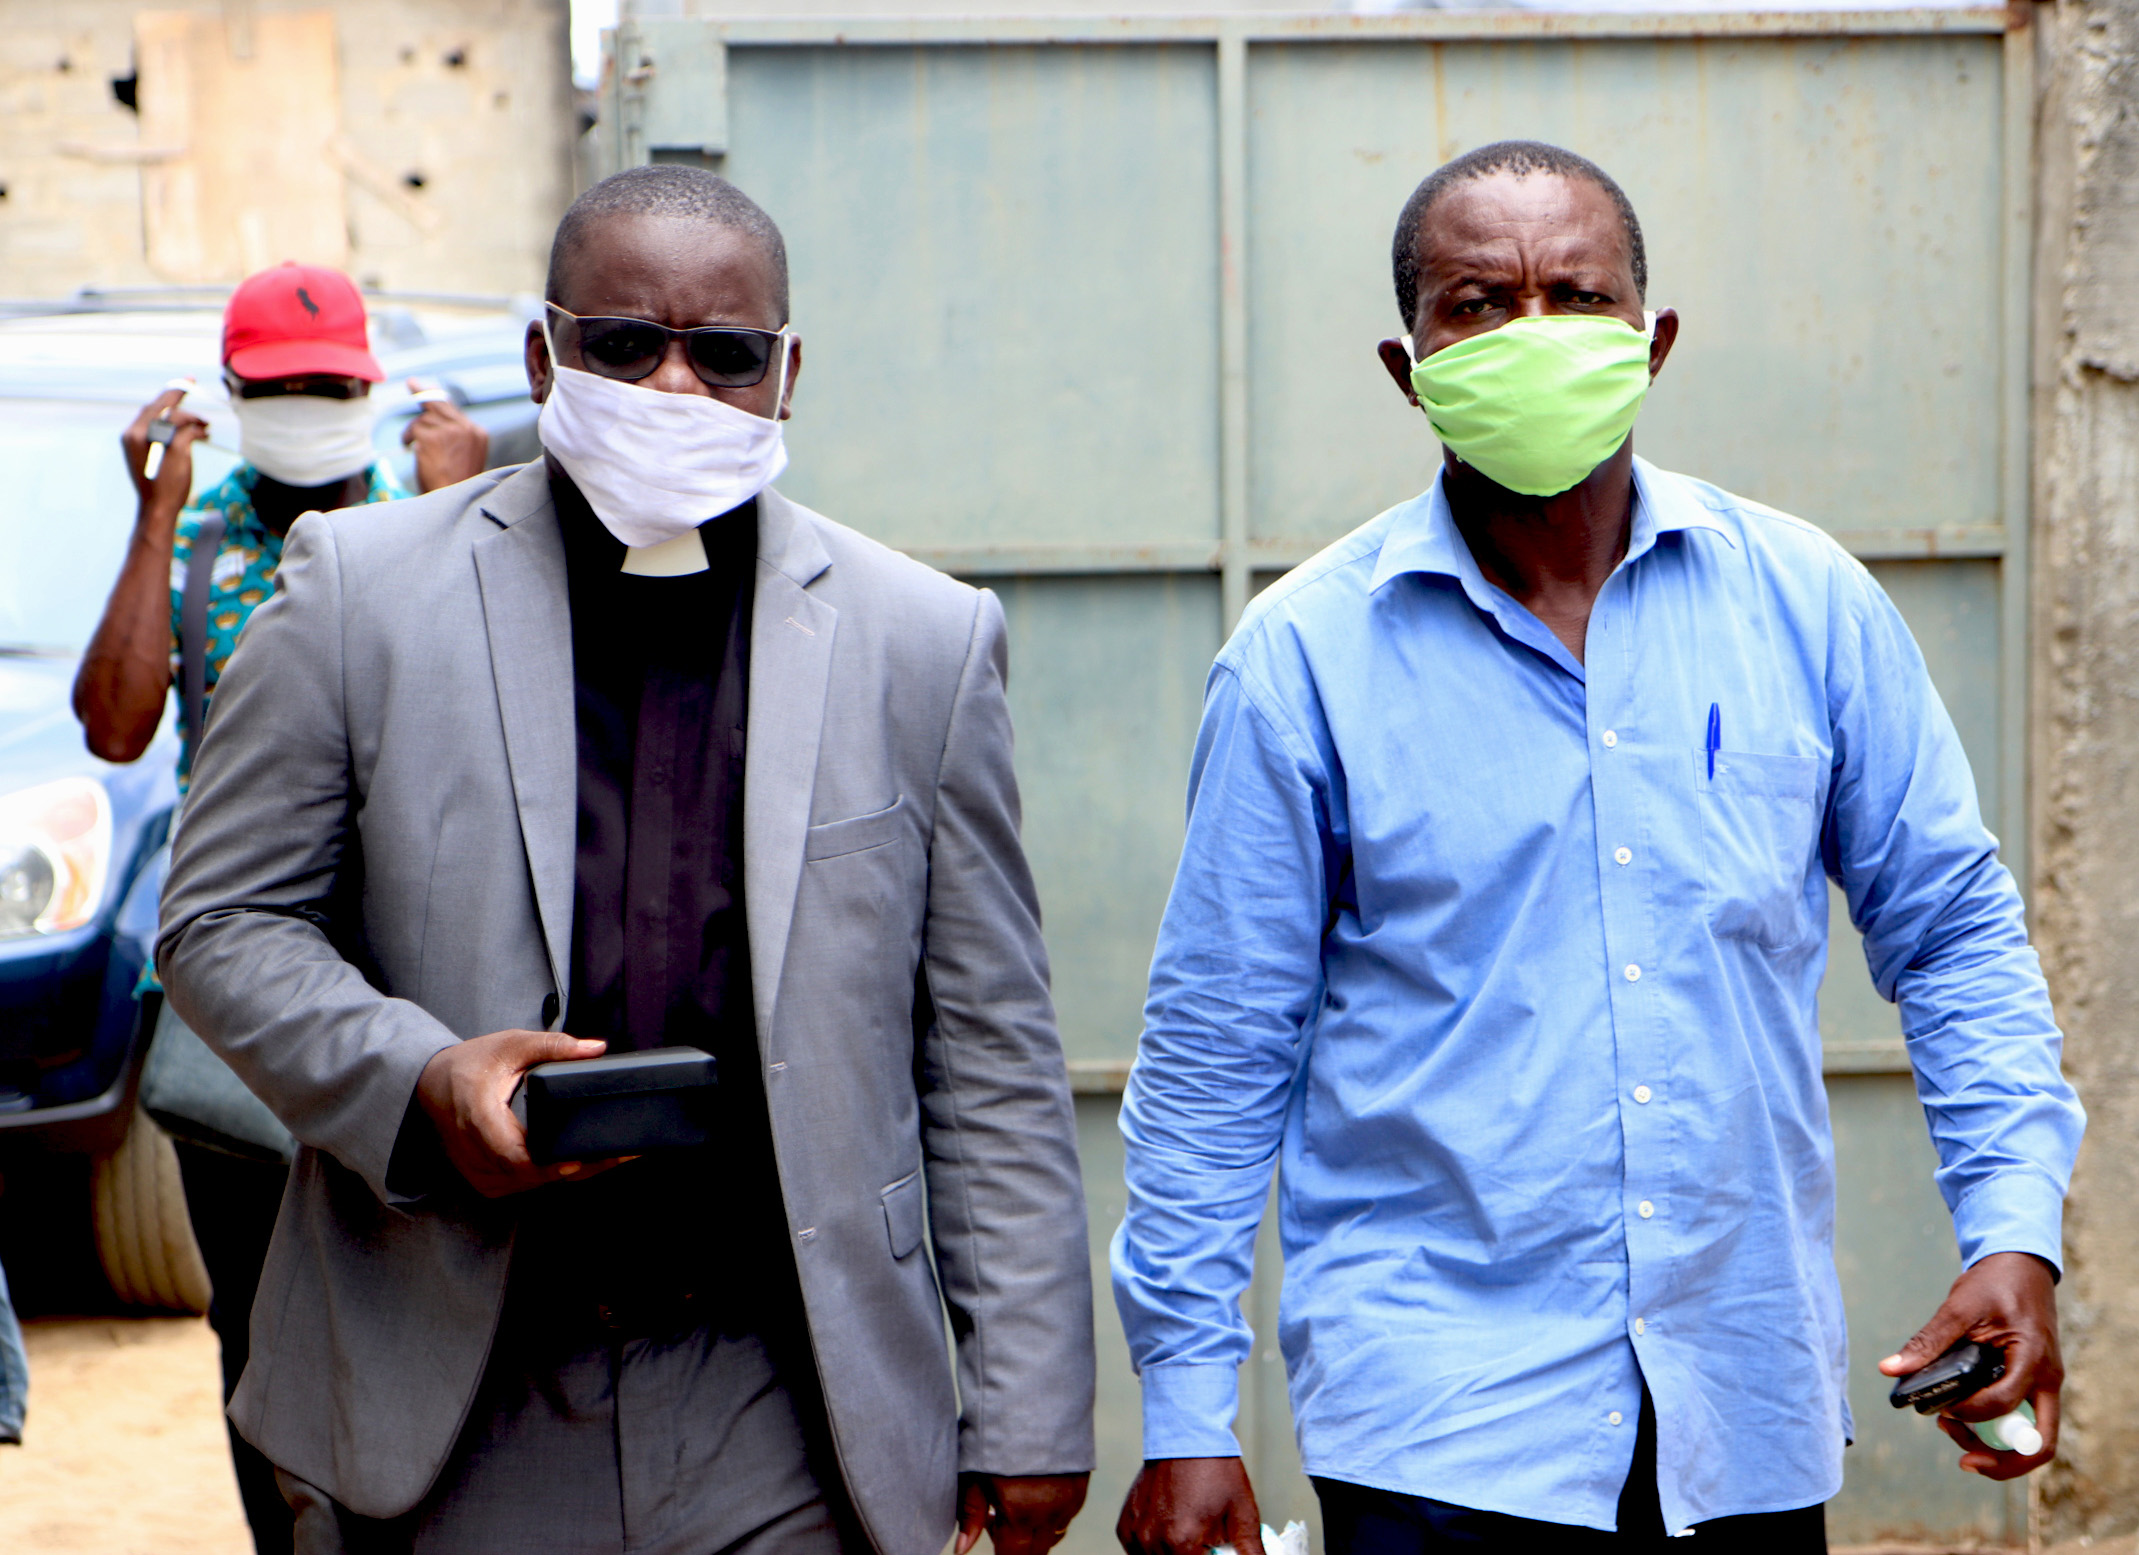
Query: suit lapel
[[527, 613], [790, 667]]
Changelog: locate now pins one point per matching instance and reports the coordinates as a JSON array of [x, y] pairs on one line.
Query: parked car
[[83, 842]]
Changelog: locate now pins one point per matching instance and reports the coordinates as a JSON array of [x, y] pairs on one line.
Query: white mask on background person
[[306, 439], [655, 465]]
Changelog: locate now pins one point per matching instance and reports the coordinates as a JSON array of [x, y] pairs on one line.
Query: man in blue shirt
[[1500, 923]]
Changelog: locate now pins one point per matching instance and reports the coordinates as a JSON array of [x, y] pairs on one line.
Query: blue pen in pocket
[[1715, 736]]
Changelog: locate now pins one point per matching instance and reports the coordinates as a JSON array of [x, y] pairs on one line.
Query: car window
[[66, 512]]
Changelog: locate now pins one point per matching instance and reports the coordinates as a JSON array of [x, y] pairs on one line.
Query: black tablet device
[[622, 1104]]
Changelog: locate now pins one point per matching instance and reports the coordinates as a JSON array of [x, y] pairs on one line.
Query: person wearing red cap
[[298, 364]]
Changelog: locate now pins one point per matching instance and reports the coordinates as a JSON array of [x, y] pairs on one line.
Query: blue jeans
[[14, 1369]]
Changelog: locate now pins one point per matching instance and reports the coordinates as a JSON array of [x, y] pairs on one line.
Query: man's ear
[[1396, 357], [538, 364], [1662, 339]]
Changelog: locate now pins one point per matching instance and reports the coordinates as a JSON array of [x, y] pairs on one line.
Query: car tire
[[144, 1240]]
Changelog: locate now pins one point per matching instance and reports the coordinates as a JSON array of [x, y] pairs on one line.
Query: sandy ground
[[124, 1452]]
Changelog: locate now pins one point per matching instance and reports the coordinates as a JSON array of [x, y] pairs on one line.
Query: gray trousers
[[686, 1446]]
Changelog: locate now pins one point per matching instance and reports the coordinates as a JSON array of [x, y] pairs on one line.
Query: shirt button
[[1640, 1328], [1645, 1209], [1641, 1094], [1611, 738], [1615, 1417], [1633, 973], [1623, 856], [807, 1234]]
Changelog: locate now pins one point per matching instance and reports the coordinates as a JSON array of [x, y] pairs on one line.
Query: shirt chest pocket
[[1759, 826]]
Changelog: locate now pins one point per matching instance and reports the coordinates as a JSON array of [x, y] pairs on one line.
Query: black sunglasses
[[326, 386], [725, 356]]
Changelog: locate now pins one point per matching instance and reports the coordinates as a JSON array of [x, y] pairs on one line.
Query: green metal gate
[[1091, 306]]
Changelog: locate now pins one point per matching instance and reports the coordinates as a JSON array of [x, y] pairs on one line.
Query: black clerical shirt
[[660, 952], [661, 686]]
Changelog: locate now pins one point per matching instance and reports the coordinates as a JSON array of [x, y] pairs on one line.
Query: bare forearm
[[126, 670]]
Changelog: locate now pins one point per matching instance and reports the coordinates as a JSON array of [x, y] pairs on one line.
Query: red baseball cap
[[298, 319]]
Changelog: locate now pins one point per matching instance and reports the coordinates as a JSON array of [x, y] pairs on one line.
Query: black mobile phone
[[624, 1104], [1967, 1368]]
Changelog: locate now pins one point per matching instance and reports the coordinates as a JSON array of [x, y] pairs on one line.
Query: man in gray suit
[[624, 748]]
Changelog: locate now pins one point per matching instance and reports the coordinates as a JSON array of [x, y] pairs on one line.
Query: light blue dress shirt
[[1467, 940]]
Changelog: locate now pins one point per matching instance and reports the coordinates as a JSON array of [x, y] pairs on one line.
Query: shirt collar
[[1424, 537]]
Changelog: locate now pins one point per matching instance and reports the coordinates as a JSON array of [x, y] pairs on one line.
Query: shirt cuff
[[1189, 1410], [2014, 1213]]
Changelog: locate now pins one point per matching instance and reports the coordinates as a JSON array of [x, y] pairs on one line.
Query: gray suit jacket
[[377, 860]]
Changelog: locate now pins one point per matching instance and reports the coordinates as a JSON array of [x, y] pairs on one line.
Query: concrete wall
[[2086, 737], [450, 163]]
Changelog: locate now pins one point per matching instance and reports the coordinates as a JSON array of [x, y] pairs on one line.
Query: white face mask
[[305, 439], [655, 465]]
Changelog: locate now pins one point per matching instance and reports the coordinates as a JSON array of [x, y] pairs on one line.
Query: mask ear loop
[[1411, 355], [549, 344], [779, 401]]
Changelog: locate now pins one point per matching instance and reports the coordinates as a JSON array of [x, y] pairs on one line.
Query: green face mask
[[1540, 402]]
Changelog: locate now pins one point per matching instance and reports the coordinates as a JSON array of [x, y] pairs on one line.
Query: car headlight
[[55, 851]]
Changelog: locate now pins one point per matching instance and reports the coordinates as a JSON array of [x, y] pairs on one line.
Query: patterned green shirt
[[242, 575]]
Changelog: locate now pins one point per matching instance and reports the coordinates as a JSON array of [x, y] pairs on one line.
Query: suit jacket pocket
[[858, 833], [902, 1214]]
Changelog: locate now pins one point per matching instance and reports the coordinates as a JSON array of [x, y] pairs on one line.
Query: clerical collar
[[675, 558]]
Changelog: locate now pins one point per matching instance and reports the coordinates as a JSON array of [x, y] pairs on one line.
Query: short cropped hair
[[666, 189], [1519, 157]]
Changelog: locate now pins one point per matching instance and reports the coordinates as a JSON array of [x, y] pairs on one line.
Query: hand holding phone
[[2004, 1303]]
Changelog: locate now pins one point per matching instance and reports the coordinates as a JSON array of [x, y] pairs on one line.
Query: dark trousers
[[232, 1204], [1359, 1521]]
